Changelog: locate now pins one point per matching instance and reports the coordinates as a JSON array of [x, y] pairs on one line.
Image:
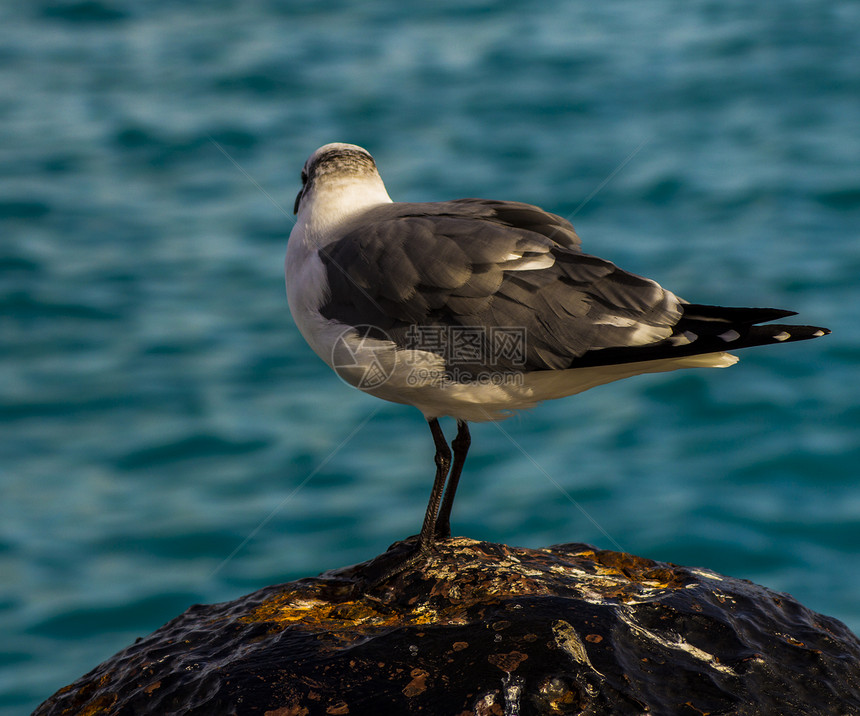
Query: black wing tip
[[729, 339], [752, 336], [732, 314], [777, 331]]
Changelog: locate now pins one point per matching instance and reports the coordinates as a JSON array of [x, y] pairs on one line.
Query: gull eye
[[304, 177]]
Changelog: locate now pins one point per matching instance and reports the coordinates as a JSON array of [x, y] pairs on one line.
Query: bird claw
[[394, 562]]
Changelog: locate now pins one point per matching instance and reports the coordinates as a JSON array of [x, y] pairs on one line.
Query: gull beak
[[298, 199]]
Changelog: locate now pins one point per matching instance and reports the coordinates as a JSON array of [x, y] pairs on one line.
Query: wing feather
[[491, 264]]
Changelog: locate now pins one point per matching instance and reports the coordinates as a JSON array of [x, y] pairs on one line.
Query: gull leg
[[461, 448], [401, 561], [443, 462]]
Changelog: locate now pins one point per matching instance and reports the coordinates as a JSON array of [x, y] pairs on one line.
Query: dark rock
[[488, 629]]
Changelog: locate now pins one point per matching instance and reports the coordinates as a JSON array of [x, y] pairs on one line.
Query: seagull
[[476, 308]]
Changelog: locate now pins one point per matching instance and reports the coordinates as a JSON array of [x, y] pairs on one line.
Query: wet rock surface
[[488, 629]]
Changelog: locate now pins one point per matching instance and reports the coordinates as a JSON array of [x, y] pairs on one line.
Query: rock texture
[[488, 629]]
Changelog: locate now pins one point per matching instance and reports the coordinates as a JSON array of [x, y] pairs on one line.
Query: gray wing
[[489, 271]]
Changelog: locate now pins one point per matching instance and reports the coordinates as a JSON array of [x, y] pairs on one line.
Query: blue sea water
[[166, 437]]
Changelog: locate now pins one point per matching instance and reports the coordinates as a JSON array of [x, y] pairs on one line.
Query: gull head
[[338, 180]]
